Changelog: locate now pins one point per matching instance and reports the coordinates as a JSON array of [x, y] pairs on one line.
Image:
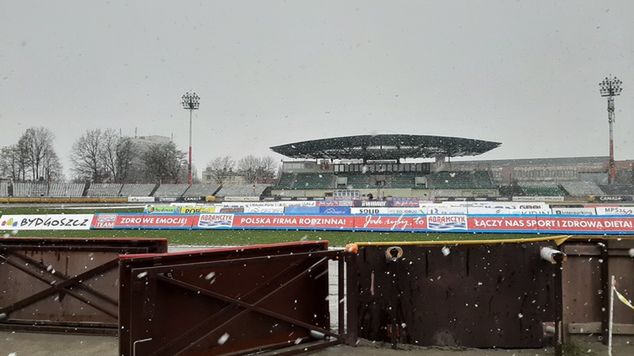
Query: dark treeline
[[105, 156]]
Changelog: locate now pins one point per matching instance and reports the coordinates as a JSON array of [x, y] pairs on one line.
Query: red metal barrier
[[227, 301], [61, 284]]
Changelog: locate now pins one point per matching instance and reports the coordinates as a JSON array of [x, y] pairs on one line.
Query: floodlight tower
[[191, 102], [611, 87]]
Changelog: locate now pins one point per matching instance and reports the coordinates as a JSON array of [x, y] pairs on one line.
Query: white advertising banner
[[445, 209], [386, 211], [615, 210], [573, 211], [46, 222], [264, 209], [141, 199], [505, 211]]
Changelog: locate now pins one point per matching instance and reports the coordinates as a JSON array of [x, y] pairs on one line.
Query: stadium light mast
[[191, 102], [611, 87]]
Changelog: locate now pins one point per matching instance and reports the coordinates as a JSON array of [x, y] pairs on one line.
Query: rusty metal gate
[[228, 301], [586, 285], [470, 295], [63, 284]]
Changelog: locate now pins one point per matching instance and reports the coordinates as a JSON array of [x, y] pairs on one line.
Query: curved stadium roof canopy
[[385, 147]]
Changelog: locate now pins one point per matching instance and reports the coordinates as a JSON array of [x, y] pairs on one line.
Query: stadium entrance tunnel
[[277, 298]]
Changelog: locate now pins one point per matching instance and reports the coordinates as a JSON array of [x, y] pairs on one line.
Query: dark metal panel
[[497, 295], [60, 284], [586, 283], [225, 301]]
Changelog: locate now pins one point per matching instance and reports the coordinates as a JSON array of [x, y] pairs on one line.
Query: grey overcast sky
[[524, 73]]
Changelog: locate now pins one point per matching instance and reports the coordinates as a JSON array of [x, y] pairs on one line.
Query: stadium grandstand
[[243, 190], [4, 189], [201, 190], [66, 189], [137, 190], [375, 165], [433, 166], [171, 190], [104, 190]]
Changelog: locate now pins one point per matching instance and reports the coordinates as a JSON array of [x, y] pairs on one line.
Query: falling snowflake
[[445, 251], [223, 338], [141, 275]]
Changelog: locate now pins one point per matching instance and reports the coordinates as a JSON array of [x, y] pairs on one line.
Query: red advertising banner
[[154, 221], [293, 221], [595, 224], [501, 223], [553, 223], [391, 223]]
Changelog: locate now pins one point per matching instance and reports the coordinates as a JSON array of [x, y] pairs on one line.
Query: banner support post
[[611, 315]]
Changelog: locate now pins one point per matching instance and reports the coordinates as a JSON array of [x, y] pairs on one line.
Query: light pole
[[191, 102], [611, 87]]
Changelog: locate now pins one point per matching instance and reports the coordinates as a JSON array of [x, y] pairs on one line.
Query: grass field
[[247, 237]]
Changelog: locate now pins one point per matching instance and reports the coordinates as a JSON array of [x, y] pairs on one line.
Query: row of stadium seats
[[46, 190], [439, 180], [102, 190], [4, 189], [445, 180], [542, 189], [460, 180], [254, 190]]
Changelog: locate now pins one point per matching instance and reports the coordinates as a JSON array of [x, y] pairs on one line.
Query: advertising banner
[[103, 221], [146, 221], [334, 210], [615, 210], [264, 209], [613, 198], [501, 223], [140, 199], [306, 210], [438, 209], [520, 223], [551, 224], [334, 203], [504, 211], [573, 211], [390, 223], [46, 222], [447, 222], [403, 202], [161, 209], [215, 221], [294, 221], [197, 209], [538, 198], [388, 211]]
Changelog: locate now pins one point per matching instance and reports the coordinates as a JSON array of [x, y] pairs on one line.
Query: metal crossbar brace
[[195, 329], [84, 287], [253, 307], [58, 287]]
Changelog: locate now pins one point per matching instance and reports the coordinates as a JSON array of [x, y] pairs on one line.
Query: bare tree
[[117, 154], [124, 158], [39, 141], [87, 156], [220, 168], [257, 170], [24, 158], [9, 162], [163, 162], [51, 167]]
